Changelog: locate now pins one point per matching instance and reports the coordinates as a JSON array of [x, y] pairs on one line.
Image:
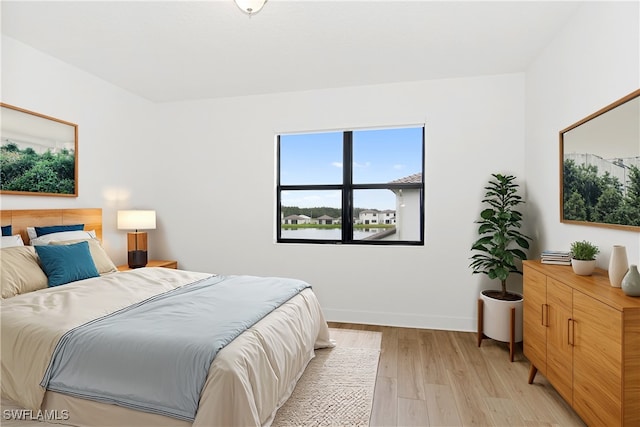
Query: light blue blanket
[[154, 356]]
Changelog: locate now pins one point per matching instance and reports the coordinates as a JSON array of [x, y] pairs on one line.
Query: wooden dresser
[[584, 336]]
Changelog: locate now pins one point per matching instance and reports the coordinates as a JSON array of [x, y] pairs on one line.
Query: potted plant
[[583, 257], [499, 246]]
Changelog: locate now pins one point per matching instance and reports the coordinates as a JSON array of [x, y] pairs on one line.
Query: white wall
[[117, 132], [207, 167], [219, 211], [593, 62]]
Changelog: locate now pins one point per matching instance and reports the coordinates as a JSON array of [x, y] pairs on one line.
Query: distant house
[[369, 216], [387, 216], [325, 219], [296, 219], [374, 216], [305, 219]]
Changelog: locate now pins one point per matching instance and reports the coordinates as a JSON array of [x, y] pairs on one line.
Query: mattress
[[247, 382]]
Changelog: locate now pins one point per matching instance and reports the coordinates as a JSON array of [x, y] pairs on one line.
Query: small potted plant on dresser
[[499, 246], [583, 257]]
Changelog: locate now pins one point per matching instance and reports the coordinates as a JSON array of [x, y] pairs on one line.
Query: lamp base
[[137, 247], [137, 259]]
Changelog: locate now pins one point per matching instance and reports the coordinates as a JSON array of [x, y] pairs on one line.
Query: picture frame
[[39, 154], [600, 167]]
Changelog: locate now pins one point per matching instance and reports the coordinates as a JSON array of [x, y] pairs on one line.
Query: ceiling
[[182, 50]]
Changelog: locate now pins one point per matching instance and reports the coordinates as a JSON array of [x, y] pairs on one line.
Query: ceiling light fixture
[[250, 7]]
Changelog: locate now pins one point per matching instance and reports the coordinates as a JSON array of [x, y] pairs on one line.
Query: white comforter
[[247, 382]]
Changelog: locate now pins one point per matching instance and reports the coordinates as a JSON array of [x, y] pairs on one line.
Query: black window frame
[[347, 187]]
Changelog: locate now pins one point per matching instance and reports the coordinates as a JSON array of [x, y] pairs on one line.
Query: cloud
[[361, 165], [399, 166], [355, 164], [311, 199]]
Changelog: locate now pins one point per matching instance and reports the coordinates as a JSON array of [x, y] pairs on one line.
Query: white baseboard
[[422, 321]]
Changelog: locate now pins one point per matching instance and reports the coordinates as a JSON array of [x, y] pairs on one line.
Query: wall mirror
[[39, 154], [600, 167]]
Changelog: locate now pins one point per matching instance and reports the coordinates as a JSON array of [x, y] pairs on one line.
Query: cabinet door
[[597, 361], [559, 348], [533, 308]]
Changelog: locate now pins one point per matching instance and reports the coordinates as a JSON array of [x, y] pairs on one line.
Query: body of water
[[325, 233]]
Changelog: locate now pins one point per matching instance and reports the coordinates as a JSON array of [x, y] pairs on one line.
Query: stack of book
[[556, 257]]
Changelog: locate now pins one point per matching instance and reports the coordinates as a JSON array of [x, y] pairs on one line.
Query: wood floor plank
[[433, 365], [441, 405], [442, 378], [359, 338], [503, 412], [472, 408], [559, 410], [480, 372], [407, 333], [388, 365], [412, 413], [385, 403], [449, 350], [525, 397], [410, 385], [538, 424]]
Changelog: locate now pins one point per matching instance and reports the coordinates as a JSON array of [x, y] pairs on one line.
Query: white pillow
[[62, 236], [31, 232], [11, 241]]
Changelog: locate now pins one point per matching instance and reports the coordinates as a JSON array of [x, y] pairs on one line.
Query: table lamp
[[137, 240]]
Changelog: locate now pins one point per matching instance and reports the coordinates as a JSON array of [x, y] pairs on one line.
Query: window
[[356, 186]]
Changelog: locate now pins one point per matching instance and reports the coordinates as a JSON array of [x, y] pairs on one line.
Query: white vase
[[618, 265], [582, 267]]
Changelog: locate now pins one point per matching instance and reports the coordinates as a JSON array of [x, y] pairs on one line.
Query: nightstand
[[153, 263]]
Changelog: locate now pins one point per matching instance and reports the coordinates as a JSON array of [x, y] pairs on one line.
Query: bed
[[252, 375]]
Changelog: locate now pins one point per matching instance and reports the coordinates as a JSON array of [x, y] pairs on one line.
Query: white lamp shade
[[136, 220], [250, 6]]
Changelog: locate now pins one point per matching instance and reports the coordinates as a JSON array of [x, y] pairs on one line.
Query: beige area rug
[[337, 387]]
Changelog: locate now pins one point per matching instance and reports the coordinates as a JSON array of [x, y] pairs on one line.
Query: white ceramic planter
[[583, 268], [497, 318]]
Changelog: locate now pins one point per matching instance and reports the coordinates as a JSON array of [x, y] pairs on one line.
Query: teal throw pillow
[[6, 230], [65, 264]]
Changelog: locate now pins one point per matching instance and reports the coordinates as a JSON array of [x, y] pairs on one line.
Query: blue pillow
[[6, 230], [41, 231], [67, 263]]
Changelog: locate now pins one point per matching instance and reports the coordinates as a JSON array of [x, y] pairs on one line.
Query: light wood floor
[[441, 378]]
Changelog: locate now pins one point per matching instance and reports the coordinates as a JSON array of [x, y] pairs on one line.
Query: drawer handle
[[545, 315], [571, 329]]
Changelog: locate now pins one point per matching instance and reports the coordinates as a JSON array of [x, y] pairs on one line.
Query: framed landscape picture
[[39, 154]]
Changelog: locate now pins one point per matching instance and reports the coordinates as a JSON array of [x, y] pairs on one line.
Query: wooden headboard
[[21, 219]]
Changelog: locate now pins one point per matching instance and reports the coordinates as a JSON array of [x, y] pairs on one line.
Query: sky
[[379, 156]]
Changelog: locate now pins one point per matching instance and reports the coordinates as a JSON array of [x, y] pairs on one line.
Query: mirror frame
[[610, 107], [39, 130]]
